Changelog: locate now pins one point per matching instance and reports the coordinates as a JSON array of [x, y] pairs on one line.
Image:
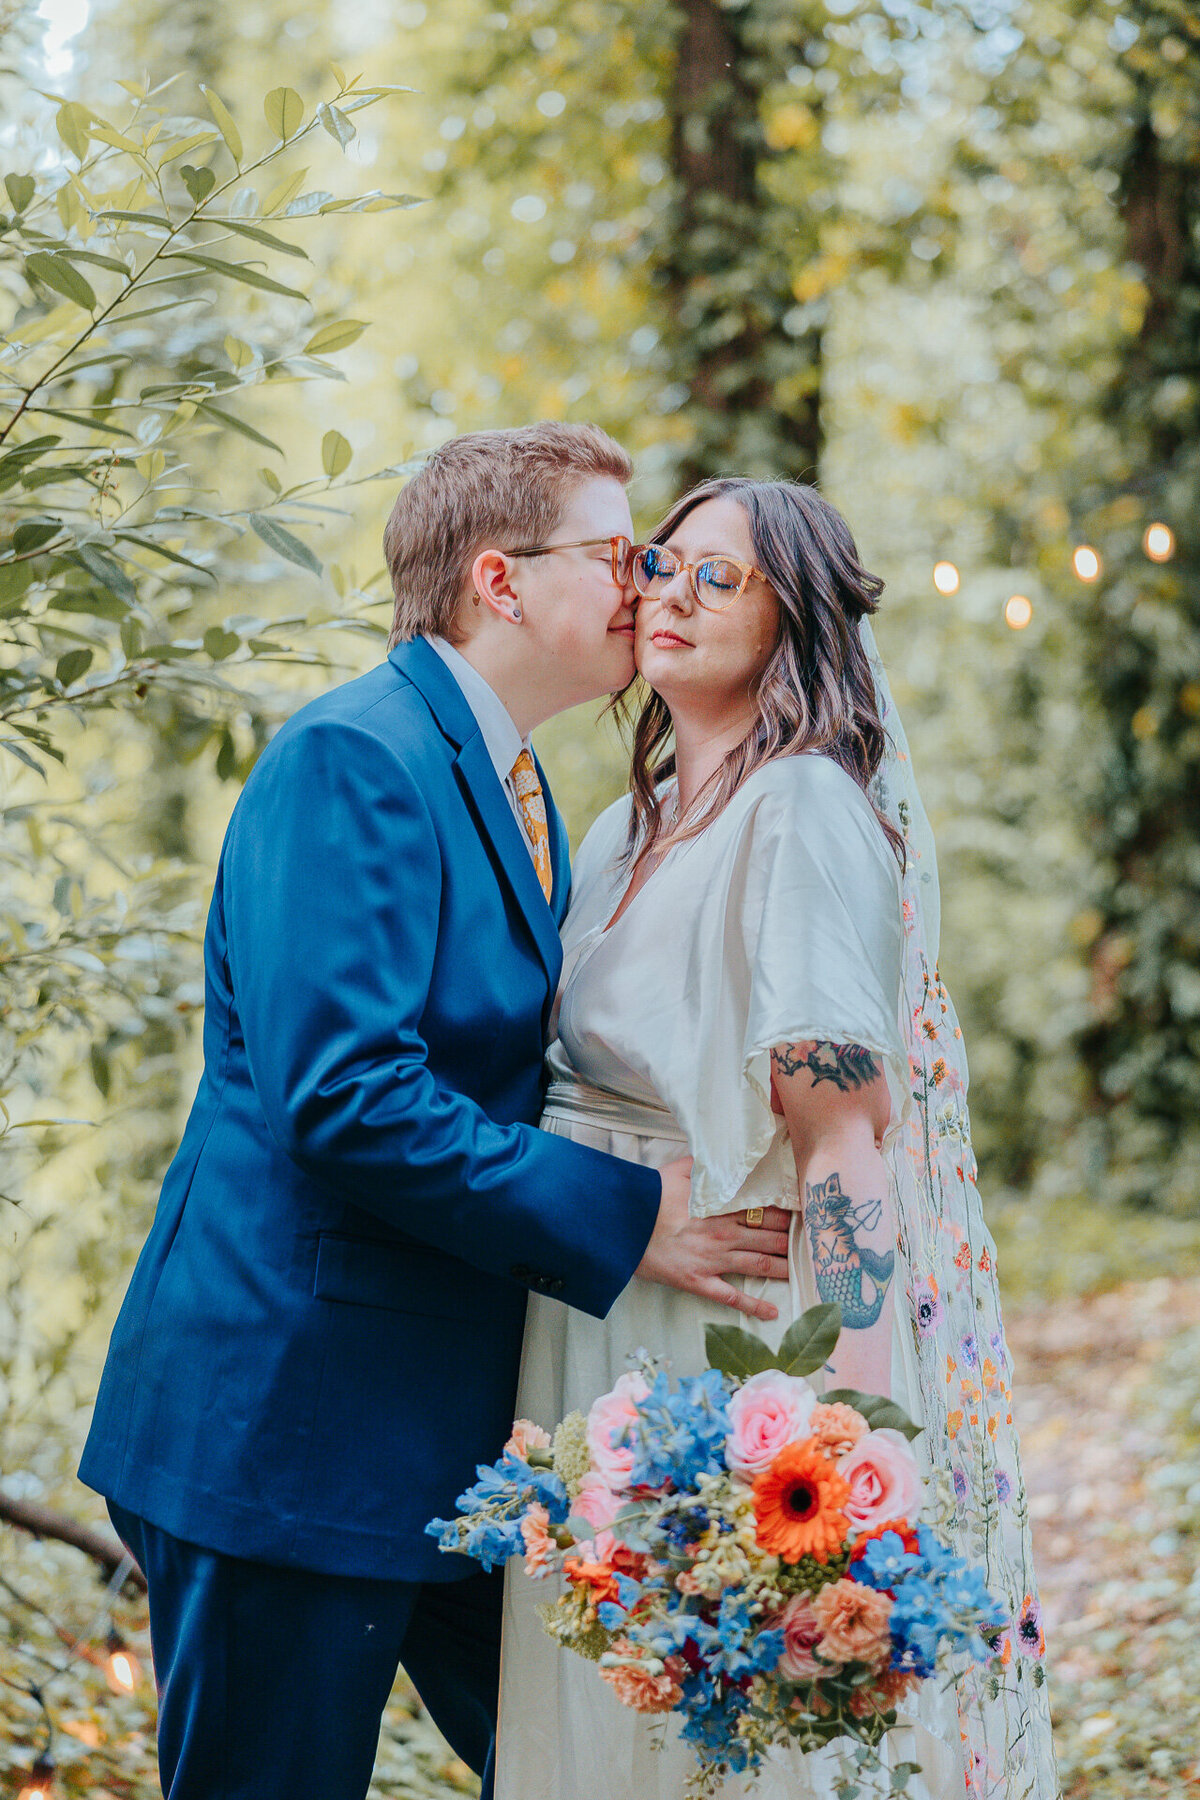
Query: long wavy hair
[[816, 691]]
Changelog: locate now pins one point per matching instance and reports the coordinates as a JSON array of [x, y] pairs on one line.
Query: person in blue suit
[[322, 1334]]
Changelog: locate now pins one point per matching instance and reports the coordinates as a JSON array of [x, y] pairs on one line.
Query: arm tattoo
[[847, 1271], [848, 1066]]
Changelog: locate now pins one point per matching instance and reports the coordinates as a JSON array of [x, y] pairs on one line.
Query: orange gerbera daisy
[[798, 1504]]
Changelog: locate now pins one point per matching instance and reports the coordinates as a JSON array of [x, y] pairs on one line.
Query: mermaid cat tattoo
[[847, 1271]]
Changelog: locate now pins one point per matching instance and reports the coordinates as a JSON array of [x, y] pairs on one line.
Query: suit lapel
[[485, 796]]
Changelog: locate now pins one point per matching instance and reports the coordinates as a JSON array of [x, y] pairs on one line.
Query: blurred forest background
[[944, 259]]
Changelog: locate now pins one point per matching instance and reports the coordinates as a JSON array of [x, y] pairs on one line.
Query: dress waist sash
[[587, 1105]]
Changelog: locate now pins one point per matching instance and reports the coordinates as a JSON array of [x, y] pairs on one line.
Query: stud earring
[[516, 612]]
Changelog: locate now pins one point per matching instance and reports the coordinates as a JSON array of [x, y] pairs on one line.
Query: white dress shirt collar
[[496, 727]]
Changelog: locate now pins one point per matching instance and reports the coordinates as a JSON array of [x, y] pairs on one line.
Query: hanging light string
[[121, 1667]]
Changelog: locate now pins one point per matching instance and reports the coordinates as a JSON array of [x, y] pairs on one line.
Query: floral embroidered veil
[[964, 1365]]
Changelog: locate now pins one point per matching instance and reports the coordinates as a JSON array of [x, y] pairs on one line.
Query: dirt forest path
[[1108, 1405]]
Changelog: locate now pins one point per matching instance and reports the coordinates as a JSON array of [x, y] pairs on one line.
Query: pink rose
[[885, 1482], [801, 1635], [609, 1416], [596, 1502], [768, 1411]]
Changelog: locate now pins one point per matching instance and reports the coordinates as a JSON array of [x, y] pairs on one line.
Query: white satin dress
[[781, 921]]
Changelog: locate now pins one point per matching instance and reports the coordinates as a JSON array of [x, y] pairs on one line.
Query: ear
[[492, 579]]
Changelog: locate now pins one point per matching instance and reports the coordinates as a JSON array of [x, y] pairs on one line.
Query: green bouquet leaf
[[810, 1340], [736, 1352]]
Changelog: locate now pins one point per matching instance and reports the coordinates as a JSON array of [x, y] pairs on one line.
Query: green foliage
[[141, 335], [1142, 1048]]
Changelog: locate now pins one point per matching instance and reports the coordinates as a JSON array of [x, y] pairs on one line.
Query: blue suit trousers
[[272, 1681]]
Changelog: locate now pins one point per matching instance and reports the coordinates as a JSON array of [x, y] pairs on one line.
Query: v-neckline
[[626, 901]]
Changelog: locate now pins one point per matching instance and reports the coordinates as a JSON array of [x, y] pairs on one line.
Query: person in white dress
[[749, 977]]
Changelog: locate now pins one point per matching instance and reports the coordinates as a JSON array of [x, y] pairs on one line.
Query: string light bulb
[[1158, 541], [1018, 610], [40, 1785], [1086, 562], [945, 578], [122, 1670]]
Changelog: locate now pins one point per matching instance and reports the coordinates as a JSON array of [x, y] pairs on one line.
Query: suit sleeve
[[332, 888]]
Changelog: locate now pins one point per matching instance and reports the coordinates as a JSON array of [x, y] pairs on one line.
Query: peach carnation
[[636, 1686], [836, 1428], [854, 1622], [526, 1436], [798, 1504], [539, 1545]]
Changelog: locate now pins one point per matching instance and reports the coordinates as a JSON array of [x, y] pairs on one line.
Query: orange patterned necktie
[[531, 801]]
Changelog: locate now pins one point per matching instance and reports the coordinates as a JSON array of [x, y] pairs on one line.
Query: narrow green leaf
[[879, 1412], [57, 273], [198, 182], [185, 147], [240, 426], [335, 453], [272, 480], [225, 123], [263, 237], [163, 550], [236, 272], [336, 123], [72, 665], [93, 423], [98, 603], [284, 112], [283, 190], [809, 1341], [106, 570], [137, 218], [736, 1352], [374, 202], [226, 758], [335, 336], [22, 755], [94, 256], [71, 122], [31, 534], [284, 543], [307, 204], [131, 638], [21, 189]]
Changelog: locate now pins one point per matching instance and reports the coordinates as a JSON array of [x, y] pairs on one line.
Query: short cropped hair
[[502, 488]]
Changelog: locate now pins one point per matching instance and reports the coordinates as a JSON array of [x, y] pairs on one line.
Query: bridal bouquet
[[736, 1550]]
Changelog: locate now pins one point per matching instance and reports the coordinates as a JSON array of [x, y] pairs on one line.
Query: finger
[[732, 1297], [758, 1264], [769, 1243], [777, 1218]]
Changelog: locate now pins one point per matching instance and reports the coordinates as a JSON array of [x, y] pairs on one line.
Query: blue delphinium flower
[[916, 1624], [679, 1434], [884, 1562], [492, 1541]]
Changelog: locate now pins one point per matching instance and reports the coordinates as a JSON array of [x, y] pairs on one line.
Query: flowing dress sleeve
[[813, 949]]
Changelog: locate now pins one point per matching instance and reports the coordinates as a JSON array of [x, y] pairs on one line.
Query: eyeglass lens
[[716, 581]]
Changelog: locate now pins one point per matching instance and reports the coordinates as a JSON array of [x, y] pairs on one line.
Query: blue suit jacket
[[322, 1335]]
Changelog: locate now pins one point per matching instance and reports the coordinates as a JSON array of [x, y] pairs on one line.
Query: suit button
[[523, 1272], [555, 1284]]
